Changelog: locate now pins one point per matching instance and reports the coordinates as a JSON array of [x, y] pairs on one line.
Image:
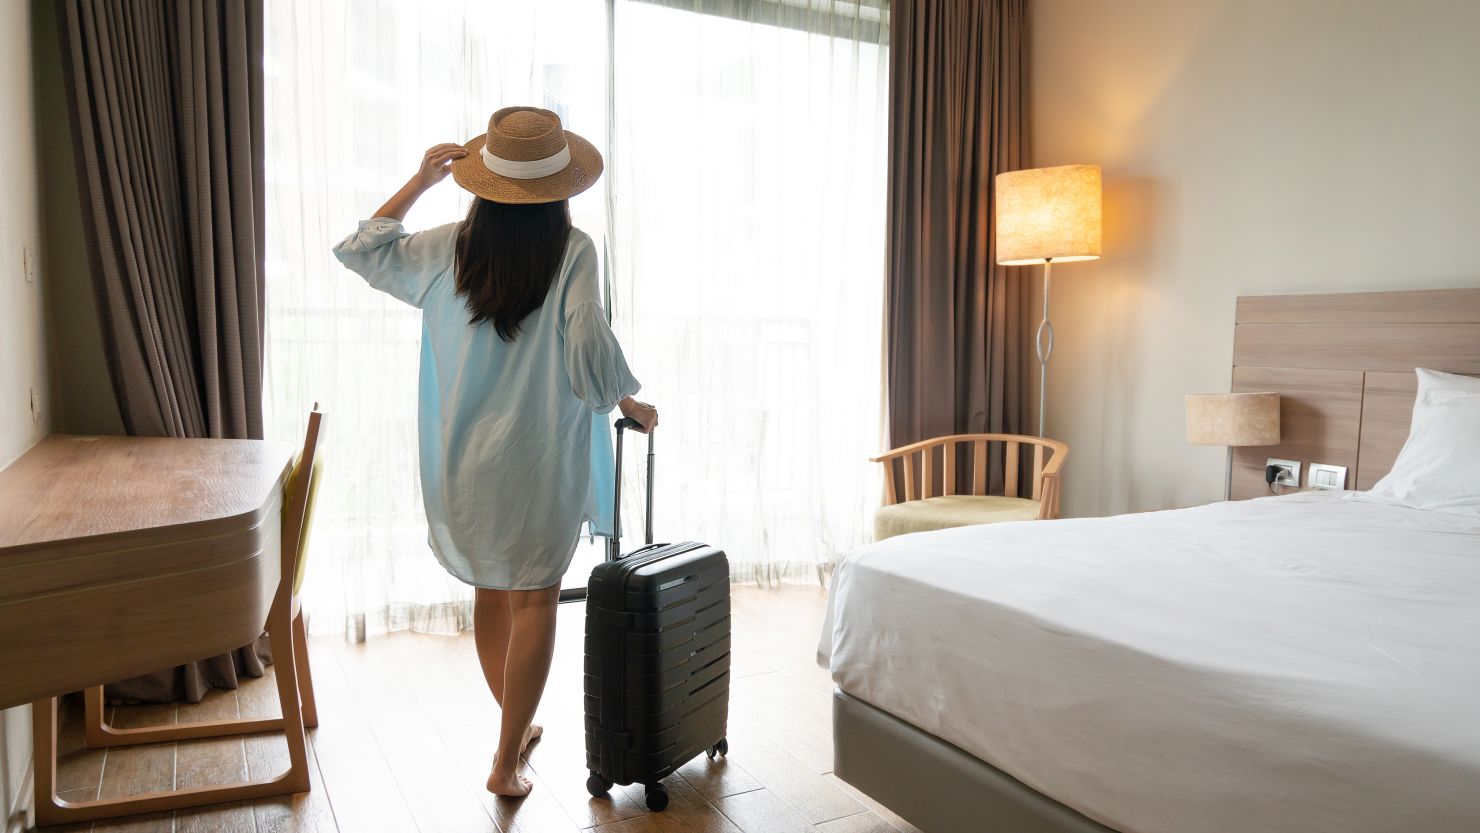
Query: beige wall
[[22, 331], [1249, 146]]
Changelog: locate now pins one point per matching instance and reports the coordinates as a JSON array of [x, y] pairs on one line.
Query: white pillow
[[1434, 380], [1439, 466]]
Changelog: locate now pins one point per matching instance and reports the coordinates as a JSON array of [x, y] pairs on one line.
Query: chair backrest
[[298, 501], [301, 568], [918, 463]]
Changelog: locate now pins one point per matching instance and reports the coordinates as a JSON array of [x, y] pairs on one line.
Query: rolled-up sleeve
[[598, 370], [398, 263]]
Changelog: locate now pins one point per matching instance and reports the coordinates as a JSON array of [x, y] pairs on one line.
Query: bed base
[[936, 786]]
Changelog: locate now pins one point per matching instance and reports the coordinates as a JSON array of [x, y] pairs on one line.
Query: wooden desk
[[123, 555]]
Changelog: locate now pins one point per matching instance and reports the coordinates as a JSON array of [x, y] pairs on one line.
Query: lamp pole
[[1043, 215], [1044, 347]]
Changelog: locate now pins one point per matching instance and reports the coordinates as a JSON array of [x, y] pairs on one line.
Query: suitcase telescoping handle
[[614, 546]]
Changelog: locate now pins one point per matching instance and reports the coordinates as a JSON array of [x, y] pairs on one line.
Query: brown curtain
[[166, 102], [955, 321], [166, 99]]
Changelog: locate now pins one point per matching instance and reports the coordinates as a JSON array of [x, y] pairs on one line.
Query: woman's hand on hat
[[437, 163], [435, 166]]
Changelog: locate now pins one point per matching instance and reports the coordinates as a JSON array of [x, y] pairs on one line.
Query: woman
[[516, 355]]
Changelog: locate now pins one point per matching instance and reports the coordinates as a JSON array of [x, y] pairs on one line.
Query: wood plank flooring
[[407, 730]]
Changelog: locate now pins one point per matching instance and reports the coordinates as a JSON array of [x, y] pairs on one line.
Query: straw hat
[[525, 157]]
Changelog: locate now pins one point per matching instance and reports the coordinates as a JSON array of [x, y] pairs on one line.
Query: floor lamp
[[1047, 216]]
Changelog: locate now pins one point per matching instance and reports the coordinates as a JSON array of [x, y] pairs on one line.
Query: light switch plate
[[1291, 474], [1326, 476]]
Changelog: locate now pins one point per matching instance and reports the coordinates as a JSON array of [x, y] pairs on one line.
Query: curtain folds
[[955, 321], [748, 163], [166, 101], [167, 109]]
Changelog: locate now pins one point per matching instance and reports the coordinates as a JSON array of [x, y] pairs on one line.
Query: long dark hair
[[507, 257]]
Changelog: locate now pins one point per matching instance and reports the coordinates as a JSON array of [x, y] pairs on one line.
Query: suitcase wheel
[[598, 786], [657, 797], [721, 748]]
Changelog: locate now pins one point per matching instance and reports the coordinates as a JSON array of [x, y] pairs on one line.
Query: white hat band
[[533, 169]]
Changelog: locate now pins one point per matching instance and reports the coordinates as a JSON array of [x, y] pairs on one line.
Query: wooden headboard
[[1343, 366]]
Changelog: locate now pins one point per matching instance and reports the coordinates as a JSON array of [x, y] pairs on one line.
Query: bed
[[1304, 662]]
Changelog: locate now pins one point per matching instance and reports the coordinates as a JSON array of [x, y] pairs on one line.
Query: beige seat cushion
[[951, 511]]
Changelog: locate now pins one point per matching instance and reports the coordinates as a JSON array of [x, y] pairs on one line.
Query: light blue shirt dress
[[515, 452]]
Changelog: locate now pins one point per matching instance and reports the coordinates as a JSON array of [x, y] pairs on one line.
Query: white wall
[[1249, 146], [22, 336]]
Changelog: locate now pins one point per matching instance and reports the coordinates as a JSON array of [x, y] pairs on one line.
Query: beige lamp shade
[[1233, 419], [1048, 214]]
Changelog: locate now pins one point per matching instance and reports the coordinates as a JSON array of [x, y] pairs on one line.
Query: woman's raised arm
[[435, 166]]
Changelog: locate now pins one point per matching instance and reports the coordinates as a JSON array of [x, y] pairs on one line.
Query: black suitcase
[[657, 656]]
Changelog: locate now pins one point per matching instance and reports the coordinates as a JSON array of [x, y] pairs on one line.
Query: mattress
[[1299, 663]]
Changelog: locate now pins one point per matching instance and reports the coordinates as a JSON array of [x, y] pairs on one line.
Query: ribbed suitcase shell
[[657, 660]]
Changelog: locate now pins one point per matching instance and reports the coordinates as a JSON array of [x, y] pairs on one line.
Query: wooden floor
[[408, 729]]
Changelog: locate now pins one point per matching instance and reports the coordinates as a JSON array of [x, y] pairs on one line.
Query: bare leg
[[491, 619], [531, 647], [493, 616]]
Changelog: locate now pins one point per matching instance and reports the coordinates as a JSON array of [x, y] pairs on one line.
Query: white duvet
[[1299, 663]]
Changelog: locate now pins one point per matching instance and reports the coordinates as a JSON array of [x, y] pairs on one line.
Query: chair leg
[[280, 634], [305, 674], [99, 733], [95, 728], [51, 809]]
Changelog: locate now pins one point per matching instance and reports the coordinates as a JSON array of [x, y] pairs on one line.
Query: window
[[742, 222]]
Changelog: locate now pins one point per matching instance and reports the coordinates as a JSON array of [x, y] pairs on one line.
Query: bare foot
[[531, 735], [509, 784]]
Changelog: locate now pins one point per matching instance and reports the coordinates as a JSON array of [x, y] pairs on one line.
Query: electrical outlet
[[28, 264], [1289, 474], [35, 406]]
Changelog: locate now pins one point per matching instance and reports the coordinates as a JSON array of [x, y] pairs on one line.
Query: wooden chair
[[936, 495], [288, 638]]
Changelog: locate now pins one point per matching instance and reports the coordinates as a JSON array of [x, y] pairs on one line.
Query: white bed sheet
[[1300, 663]]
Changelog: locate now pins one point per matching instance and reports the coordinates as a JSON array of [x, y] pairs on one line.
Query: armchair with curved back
[[916, 499]]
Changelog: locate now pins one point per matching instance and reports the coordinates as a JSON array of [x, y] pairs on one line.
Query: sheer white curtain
[[356, 91], [743, 219], [748, 170]]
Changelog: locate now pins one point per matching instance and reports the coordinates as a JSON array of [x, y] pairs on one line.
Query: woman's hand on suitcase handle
[[645, 415]]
